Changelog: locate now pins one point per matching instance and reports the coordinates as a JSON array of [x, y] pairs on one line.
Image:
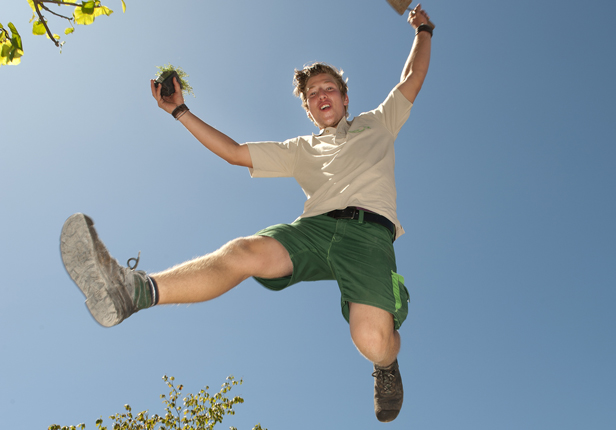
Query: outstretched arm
[[416, 66], [217, 142]]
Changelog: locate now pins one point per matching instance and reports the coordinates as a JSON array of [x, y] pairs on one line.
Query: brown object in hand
[[402, 6]]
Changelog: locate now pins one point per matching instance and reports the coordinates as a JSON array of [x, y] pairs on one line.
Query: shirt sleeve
[[394, 111], [272, 159]]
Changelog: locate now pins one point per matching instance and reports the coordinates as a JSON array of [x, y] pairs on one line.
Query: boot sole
[[82, 264]]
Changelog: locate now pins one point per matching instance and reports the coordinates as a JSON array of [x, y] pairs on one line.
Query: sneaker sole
[[82, 264]]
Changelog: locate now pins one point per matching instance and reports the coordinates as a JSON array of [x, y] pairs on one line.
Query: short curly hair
[[301, 77]]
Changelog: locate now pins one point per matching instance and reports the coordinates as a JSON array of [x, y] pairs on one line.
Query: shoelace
[[136, 260], [386, 377]]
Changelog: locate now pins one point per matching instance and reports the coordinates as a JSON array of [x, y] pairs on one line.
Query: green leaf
[[102, 10], [38, 28], [88, 7], [13, 29], [11, 49], [81, 17], [4, 51], [16, 42]]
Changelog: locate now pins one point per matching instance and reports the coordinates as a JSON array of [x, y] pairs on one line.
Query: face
[[326, 106]]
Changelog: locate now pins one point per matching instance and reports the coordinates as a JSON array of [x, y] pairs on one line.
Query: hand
[[168, 104], [419, 16]]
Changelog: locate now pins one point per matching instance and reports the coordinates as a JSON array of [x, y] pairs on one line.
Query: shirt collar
[[339, 131]]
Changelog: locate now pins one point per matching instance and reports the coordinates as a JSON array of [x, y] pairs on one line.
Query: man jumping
[[345, 232]]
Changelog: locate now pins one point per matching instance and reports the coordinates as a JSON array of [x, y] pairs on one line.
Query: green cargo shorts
[[359, 256]]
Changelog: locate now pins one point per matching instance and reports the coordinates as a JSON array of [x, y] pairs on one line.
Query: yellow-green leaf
[[15, 37], [82, 18], [69, 30], [4, 61], [123, 7], [102, 10], [31, 3], [38, 28], [10, 52], [10, 49], [5, 46], [88, 7]]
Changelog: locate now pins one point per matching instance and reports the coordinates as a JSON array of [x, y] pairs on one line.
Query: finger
[[179, 95], [156, 89]]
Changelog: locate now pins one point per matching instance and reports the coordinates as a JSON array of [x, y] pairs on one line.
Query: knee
[[240, 252], [376, 343], [258, 256], [239, 247], [373, 333]]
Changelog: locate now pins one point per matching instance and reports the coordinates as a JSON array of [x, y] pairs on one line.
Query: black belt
[[353, 213]]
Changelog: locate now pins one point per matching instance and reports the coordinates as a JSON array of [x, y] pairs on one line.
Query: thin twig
[[55, 13], [59, 3]]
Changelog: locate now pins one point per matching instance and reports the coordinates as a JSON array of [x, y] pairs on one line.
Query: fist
[[418, 16]]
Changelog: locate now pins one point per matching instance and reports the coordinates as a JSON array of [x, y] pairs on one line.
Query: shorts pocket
[[401, 299]]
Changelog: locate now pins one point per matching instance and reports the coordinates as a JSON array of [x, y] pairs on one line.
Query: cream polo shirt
[[350, 165]]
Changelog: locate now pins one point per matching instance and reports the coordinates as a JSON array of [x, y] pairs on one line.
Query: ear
[[346, 100]]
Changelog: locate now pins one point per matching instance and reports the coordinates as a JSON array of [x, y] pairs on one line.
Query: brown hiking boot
[[388, 392]]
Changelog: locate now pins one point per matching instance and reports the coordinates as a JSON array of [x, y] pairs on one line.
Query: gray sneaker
[[113, 292], [388, 392]]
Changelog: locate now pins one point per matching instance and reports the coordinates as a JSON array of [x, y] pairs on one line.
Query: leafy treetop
[[84, 13], [201, 411]]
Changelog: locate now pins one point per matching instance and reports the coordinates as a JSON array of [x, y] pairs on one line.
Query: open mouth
[[325, 107]]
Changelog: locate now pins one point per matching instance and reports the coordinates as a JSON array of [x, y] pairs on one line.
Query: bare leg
[[372, 331], [214, 274]]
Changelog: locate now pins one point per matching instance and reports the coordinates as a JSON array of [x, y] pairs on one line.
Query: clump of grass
[[186, 88]]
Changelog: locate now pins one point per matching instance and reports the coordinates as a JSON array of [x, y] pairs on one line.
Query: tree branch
[[42, 20]]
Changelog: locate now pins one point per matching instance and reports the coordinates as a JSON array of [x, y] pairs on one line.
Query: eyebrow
[[326, 81]]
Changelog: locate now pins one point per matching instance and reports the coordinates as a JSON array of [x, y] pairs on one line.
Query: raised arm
[[217, 142], [416, 66]]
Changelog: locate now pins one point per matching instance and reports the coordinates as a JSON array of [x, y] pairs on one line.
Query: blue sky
[[506, 183]]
